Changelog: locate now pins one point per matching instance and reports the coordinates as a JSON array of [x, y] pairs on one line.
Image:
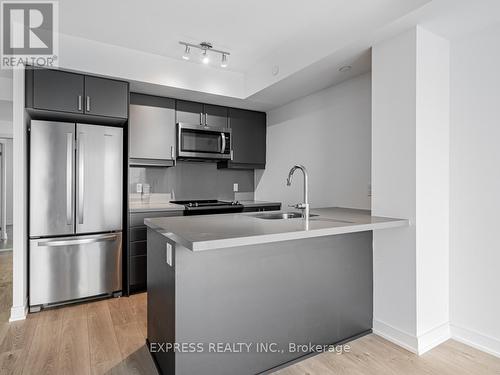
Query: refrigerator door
[[99, 178], [68, 268], [52, 167]]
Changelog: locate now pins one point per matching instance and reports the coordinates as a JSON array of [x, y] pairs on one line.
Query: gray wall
[[330, 133], [193, 180]]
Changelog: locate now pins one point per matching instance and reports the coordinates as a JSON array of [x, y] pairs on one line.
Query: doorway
[[6, 221]]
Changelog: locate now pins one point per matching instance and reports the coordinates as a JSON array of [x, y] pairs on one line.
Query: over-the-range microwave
[[203, 142]]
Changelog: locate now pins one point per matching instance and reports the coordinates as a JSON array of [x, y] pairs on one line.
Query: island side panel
[[305, 291], [161, 302]]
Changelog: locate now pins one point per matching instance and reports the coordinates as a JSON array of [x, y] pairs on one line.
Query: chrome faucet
[[305, 205]]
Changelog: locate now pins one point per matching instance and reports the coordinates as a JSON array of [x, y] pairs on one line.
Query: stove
[[209, 206]]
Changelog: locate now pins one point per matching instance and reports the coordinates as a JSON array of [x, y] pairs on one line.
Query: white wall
[[20, 204], [410, 177], [433, 188], [328, 132], [475, 187], [129, 64], [394, 187]]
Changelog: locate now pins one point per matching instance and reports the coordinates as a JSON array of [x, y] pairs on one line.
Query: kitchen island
[[237, 293]]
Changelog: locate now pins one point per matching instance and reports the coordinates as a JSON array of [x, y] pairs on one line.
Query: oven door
[[199, 142]]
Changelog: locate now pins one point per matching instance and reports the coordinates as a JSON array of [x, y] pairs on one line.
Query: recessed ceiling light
[[187, 53], [345, 68]]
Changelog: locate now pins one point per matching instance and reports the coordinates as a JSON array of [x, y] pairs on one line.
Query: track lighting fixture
[[206, 49]]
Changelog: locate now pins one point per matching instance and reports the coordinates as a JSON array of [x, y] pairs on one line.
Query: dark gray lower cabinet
[[137, 248], [276, 207], [315, 291], [137, 237]]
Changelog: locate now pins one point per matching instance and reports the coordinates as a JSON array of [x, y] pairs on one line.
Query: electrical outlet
[[235, 188], [138, 188]]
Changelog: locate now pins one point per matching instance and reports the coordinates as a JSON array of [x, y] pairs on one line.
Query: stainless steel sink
[[280, 215]]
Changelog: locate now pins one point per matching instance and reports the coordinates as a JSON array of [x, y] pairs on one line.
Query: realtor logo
[[29, 33]]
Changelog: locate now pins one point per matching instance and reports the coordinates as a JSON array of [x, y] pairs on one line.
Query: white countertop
[[209, 232]]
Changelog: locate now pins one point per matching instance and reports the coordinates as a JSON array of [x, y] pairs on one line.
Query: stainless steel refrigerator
[[75, 211]]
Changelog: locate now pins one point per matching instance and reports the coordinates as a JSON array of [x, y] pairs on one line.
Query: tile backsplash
[[190, 180]]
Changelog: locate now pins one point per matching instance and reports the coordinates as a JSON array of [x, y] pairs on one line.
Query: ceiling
[[307, 41], [249, 30]]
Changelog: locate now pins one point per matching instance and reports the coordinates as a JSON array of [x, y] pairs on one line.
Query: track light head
[[223, 62], [205, 59], [187, 53]]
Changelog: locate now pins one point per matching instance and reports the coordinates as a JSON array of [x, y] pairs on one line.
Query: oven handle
[[223, 136]]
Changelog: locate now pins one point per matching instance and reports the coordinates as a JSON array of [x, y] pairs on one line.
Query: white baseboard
[[396, 336], [418, 345], [18, 312], [477, 340], [433, 338]]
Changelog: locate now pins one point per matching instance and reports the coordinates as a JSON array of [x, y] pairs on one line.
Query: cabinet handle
[[232, 155], [79, 102], [88, 103], [172, 155], [206, 118], [81, 176], [69, 178], [201, 118]]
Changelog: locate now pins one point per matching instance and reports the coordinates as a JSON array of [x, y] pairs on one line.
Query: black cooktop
[[205, 203], [209, 206]]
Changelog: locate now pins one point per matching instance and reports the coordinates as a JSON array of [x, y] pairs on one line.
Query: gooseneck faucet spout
[[305, 205]]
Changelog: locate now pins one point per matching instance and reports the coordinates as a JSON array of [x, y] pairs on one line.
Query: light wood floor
[[107, 337]]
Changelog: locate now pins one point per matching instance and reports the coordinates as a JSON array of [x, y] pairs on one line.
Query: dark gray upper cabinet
[[189, 112], [68, 95], [57, 91], [152, 135], [106, 97], [215, 116], [201, 114], [249, 139]]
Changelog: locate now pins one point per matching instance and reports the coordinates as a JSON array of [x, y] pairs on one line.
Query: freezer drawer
[[69, 268]]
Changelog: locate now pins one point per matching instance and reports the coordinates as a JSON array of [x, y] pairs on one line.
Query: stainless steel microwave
[[203, 142]]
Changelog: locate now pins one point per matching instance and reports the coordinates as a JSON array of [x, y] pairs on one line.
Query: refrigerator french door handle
[[69, 178], [81, 176], [83, 241]]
